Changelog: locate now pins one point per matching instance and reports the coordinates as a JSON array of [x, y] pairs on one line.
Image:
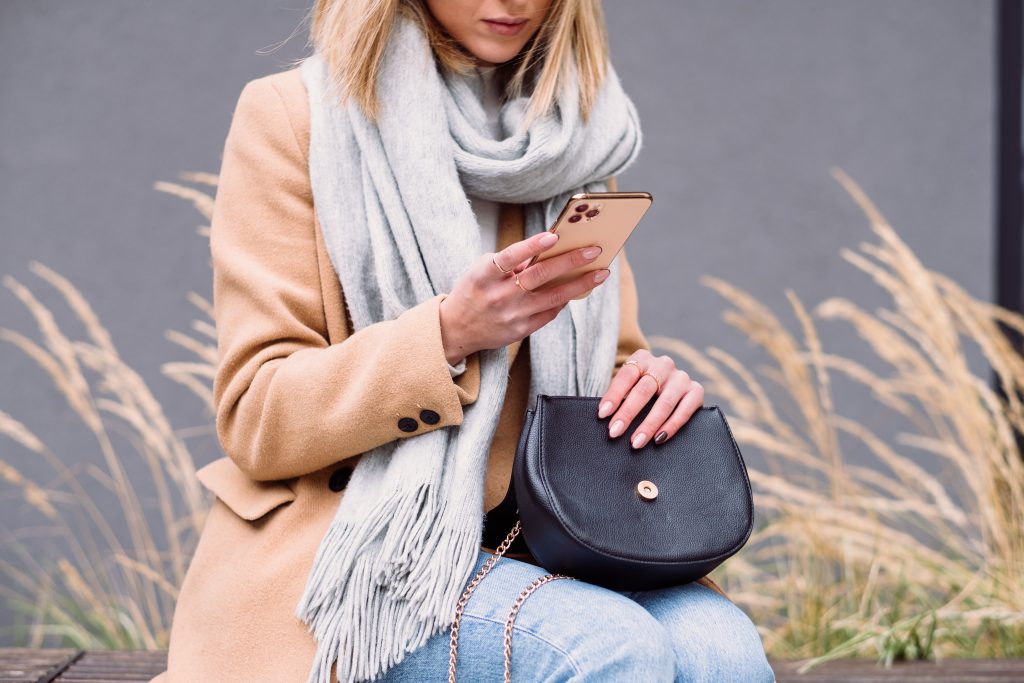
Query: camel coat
[[299, 397]]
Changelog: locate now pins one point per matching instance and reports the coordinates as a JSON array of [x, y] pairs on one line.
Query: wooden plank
[[26, 665], [116, 666], [948, 671]]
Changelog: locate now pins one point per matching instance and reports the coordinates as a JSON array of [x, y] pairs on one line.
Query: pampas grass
[[892, 559], [78, 581]]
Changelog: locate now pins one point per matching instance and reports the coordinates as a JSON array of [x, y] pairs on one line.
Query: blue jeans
[[576, 631]]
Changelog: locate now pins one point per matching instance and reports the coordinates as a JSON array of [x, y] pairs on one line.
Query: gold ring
[[521, 285], [506, 272], [655, 379], [633, 362]]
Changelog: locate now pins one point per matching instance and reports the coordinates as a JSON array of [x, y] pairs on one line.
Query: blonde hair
[[352, 35]]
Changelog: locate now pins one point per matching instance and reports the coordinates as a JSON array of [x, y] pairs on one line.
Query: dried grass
[[76, 580], [922, 553]]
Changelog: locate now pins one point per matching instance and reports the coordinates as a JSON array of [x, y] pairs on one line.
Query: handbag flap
[[703, 507]]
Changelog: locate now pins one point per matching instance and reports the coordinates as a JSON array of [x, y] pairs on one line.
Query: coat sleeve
[[287, 401], [631, 337]]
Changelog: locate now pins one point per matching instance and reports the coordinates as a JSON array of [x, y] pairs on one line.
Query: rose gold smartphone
[[606, 219]]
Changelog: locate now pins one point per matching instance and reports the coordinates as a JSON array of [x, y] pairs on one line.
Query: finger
[[639, 395], [623, 381], [673, 390], [539, 320], [556, 297], [514, 254], [692, 400], [539, 273]]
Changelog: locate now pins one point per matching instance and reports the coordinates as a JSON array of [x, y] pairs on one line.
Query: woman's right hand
[[487, 310]]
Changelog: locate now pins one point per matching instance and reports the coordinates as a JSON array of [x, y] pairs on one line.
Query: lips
[[505, 27]]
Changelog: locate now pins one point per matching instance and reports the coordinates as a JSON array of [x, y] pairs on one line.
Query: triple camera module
[[581, 210]]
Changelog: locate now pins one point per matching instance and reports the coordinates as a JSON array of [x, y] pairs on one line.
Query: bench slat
[[29, 665]]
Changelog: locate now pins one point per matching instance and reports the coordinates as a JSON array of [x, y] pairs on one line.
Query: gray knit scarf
[[391, 200]]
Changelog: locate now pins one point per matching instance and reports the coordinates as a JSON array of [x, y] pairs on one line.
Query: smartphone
[[606, 219]]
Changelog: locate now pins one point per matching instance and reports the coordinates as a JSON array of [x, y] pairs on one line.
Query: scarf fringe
[[367, 621], [336, 554], [399, 543]]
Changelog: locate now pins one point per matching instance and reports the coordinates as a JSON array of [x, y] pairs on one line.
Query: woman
[[348, 516]]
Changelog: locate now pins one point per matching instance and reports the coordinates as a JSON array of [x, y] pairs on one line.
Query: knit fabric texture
[[486, 211], [391, 199]]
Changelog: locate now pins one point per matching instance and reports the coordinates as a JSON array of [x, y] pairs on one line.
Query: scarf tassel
[[352, 592]]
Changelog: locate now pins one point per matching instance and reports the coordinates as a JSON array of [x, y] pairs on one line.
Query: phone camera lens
[[592, 213], [582, 207], [575, 218]]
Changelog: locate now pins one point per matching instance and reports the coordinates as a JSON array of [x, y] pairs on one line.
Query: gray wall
[[745, 105]]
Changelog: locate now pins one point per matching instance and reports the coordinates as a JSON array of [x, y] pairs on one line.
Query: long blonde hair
[[352, 35]]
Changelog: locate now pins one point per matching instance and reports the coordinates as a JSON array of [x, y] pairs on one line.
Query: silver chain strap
[[453, 653]]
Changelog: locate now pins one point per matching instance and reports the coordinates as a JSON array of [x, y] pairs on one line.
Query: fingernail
[[605, 408], [548, 239], [591, 252], [660, 437], [600, 275], [639, 439], [617, 428]]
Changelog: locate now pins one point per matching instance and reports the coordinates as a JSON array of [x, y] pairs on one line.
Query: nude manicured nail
[[639, 440], [591, 252], [617, 428], [600, 275], [605, 408], [548, 239]]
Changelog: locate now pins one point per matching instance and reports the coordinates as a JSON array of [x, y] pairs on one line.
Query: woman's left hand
[[632, 388]]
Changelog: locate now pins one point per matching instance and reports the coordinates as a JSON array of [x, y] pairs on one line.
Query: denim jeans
[[576, 631]]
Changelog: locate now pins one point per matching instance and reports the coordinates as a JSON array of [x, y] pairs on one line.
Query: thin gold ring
[[528, 291], [506, 272], [655, 379], [634, 362]]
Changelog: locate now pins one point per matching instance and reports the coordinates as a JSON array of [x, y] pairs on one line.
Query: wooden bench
[[26, 665]]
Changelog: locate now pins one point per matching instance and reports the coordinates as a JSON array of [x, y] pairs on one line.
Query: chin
[[494, 55]]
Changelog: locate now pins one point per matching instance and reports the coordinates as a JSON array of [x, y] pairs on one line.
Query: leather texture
[[576, 493]]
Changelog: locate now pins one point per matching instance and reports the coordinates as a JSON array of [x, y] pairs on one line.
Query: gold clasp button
[[647, 490]]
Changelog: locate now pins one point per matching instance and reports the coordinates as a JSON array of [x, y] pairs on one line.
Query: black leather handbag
[[596, 508], [591, 507]]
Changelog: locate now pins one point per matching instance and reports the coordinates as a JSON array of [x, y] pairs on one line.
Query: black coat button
[[339, 478], [408, 424], [429, 416]]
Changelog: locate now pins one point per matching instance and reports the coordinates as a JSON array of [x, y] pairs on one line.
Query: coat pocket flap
[[247, 498]]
